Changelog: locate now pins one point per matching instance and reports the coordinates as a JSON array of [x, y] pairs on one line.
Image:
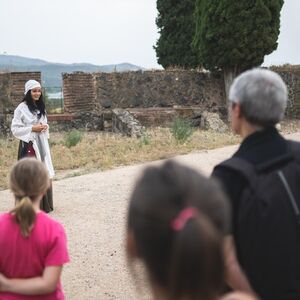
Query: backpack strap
[[242, 167], [249, 171], [290, 195], [293, 153]]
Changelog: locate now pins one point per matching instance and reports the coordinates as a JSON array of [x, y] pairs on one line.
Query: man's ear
[[131, 245], [237, 110]]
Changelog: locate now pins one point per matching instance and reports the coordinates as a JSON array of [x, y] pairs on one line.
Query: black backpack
[[267, 232]]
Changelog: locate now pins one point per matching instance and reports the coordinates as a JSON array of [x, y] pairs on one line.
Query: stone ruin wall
[[12, 88], [99, 91], [89, 98], [79, 92], [11, 94], [153, 97], [86, 92], [159, 89], [291, 76]]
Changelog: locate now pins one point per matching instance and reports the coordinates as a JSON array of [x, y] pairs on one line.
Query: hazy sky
[[106, 31]]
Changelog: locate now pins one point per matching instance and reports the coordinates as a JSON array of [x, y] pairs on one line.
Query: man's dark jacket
[[257, 149]]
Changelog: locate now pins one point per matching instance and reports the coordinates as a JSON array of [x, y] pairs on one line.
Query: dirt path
[[93, 209]]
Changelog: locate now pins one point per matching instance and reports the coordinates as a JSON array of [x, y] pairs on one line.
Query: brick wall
[[79, 92], [11, 94], [17, 82]]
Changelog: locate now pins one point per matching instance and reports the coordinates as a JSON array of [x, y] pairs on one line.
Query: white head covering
[[31, 84]]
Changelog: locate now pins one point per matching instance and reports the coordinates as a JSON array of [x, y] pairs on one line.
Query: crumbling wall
[[17, 82], [11, 94], [291, 76], [79, 93], [156, 96], [160, 88]]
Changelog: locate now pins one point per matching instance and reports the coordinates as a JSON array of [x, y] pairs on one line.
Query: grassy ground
[[102, 151]]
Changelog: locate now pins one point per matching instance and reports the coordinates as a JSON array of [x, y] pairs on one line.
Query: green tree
[[233, 36], [176, 26]]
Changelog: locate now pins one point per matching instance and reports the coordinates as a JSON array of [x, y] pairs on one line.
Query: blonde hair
[[28, 180]]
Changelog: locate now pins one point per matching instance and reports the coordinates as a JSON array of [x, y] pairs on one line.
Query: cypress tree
[[233, 36], [176, 26]]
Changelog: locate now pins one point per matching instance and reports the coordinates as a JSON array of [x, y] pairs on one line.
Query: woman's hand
[[39, 127]]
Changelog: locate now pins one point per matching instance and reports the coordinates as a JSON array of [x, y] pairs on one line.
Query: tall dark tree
[[235, 35], [176, 26]]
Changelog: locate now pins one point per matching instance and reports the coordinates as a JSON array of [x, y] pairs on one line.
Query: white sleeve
[[19, 129], [45, 122]]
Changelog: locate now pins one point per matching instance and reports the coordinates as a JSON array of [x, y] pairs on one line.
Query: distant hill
[[51, 72]]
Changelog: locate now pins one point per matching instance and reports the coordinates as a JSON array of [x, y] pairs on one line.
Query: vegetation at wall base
[[73, 137], [145, 139], [181, 130]]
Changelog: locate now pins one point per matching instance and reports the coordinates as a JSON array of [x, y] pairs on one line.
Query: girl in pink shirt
[[33, 246]]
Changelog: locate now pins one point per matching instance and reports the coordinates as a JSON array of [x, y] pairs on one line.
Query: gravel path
[[93, 209]]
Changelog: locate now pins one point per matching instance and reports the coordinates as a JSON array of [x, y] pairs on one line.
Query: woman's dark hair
[[35, 106], [186, 263]]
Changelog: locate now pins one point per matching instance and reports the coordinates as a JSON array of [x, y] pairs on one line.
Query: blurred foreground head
[[176, 222]]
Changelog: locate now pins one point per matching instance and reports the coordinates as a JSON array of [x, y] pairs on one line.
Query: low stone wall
[[159, 89], [90, 121], [164, 116]]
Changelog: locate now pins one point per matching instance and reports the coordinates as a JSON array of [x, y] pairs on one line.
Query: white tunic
[[21, 128]]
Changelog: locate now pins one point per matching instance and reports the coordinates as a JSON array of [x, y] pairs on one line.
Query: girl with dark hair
[[33, 246], [176, 222], [29, 125]]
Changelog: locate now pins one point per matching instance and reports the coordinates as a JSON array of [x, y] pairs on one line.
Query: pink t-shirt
[[25, 257]]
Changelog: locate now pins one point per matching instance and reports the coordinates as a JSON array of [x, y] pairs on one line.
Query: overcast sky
[[106, 31]]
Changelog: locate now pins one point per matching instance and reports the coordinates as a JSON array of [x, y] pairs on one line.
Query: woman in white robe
[[29, 125]]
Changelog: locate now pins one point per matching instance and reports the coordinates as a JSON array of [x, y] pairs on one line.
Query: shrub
[[73, 138], [145, 139], [181, 130]]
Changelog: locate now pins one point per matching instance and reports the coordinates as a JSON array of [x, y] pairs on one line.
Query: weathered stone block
[[125, 123]]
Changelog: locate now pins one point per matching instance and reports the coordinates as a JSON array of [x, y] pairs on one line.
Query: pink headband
[[185, 215]]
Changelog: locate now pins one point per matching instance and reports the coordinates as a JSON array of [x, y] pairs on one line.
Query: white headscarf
[[31, 84]]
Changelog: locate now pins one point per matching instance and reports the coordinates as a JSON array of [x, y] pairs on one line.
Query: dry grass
[[102, 151]]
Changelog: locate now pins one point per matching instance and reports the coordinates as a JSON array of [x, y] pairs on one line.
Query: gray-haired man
[[265, 235]]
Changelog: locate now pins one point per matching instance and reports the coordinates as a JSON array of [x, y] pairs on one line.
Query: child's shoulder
[[5, 217], [6, 221], [48, 221]]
